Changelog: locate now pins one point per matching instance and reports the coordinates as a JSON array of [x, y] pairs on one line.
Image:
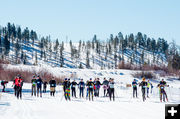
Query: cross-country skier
[[33, 81], [87, 89], [15, 87], [67, 85], [81, 88], [94, 87], [143, 84], [73, 88], [152, 87], [3, 83], [134, 85], [111, 89], [19, 84], [97, 87], [44, 86], [52, 84], [39, 83], [148, 87], [90, 89], [162, 91], [105, 86]]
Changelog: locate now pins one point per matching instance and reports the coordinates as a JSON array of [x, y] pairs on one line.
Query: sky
[[81, 19]]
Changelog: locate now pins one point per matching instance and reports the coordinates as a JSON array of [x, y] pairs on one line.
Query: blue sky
[[81, 19]]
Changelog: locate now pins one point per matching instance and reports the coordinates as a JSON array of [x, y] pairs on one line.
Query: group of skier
[[145, 87], [92, 88], [37, 83]]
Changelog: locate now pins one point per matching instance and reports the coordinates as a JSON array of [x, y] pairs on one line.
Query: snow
[[124, 106]]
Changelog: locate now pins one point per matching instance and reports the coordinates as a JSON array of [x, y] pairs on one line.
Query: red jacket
[[18, 82]]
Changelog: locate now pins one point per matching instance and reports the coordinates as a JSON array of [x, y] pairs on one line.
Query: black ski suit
[[39, 83], [143, 84], [81, 89], [134, 84], [111, 90], [44, 86], [97, 85], [52, 84], [73, 88], [90, 89]]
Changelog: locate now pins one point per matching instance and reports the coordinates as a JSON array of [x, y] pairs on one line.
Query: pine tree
[[61, 55]]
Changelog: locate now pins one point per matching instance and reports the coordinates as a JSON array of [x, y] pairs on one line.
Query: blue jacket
[[39, 82], [81, 84], [134, 84]]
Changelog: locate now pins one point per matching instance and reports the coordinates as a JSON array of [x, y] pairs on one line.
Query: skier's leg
[[35, 90], [98, 91], [92, 95], [21, 92], [15, 90], [32, 91], [40, 92], [89, 94], [165, 95], [18, 92], [82, 92], [113, 94], [110, 94], [147, 92], [136, 92], [143, 94], [104, 92], [133, 92], [66, 94], [75, 93]]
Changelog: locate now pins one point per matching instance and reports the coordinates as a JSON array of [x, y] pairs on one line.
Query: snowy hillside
[[33, 54]]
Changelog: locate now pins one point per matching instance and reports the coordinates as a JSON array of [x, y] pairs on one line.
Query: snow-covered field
[[124, 106]]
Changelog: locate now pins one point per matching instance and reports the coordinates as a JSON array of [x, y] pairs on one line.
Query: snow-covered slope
[[124, 107], [97, 61]]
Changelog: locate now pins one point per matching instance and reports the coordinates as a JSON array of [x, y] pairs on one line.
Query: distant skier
[[81, 88], [94, 87], [33, 81], [162, 91], [90, 89], [143, 84], [15, 87], [105, 86], [87, 89], [52, 84], [3, 83], [73, 88], [152, 87], [66, 86], [44, 86], [19, 84], [134, 85], [39, 83], [97, 87], [111, 89], [148, 88]]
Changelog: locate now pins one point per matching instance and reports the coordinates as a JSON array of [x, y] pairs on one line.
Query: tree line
[[107, 53]]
